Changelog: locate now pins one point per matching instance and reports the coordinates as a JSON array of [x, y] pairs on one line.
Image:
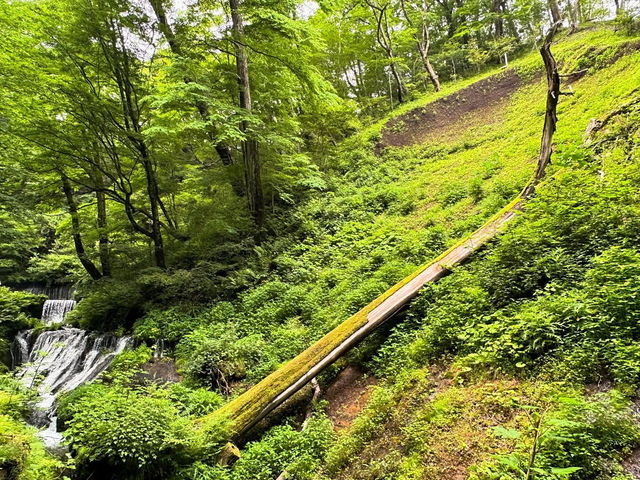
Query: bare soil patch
[[347, 396], [477, 103], [159, 370]]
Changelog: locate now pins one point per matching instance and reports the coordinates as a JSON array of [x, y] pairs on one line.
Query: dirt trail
[[478, 103], [347, 396]]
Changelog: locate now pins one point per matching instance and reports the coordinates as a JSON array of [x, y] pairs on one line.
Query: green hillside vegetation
[[521, 364]]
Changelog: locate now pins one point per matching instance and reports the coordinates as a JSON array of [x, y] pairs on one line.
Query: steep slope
[[450, 423], [275, 389]]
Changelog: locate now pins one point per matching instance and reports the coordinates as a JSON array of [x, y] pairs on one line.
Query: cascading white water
[[20, 348], [59, 361], [53, 311]]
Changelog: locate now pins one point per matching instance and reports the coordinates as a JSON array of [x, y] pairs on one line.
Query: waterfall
[[53, 311], [20, 348], [59, 361], [54, 292]]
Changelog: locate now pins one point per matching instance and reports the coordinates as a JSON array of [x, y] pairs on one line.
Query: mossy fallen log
[[252, 406]]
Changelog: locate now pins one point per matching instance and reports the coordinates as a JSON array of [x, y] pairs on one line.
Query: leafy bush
[[138, 433], [108, 304], [18, 311], [215, 355], [283, 448], [578, 438]]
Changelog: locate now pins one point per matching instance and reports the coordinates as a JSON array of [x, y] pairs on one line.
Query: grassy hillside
[[384, 214], [513, 338]]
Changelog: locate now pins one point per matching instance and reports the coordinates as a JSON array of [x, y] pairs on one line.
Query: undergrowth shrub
[[574, 437]]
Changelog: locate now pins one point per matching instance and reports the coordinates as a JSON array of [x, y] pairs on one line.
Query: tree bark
[[498, 23], [86, 262], [253, 405], [250, 153], [154, 201], [384, 40], [424, 53], [550, 118], [423, 43], [132, 127]]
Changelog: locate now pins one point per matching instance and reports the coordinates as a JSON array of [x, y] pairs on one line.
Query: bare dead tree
[[551, 117]]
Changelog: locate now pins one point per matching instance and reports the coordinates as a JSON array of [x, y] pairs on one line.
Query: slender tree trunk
[[86, 262], [424, 53], [103, 237], [574, 14], [619, 6], [399, 84], [223, 150], [551, 117], [154, 201], [498, 24], [556, 16], [255, 197], [423, 42], [384, 40]]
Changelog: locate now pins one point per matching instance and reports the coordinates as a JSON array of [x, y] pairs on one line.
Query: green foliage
[[108, 305], [138, 433], [628, 21], [283, 448], [364, 429], [346, 219], [215, 356], [579, 439], [17, 312], [22, 454], [129, 431]]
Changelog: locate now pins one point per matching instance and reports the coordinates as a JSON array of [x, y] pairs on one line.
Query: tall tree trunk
[[498, 23], [255, 197], [103, 237], [551, 117], [399, 84], [154, 202], [574, 14], [223, 150], [384, 40], [619, 6], [423, 42], [86, 262], [556, 16]]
